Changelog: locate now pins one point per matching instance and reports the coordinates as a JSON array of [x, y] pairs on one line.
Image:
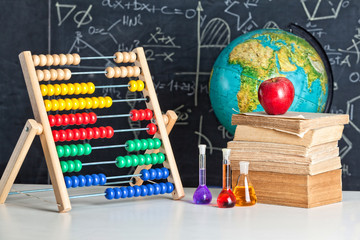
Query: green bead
[[135, 160], [87, 149], [81, 149], [71, 165], [60, 151], [74, 150], [141, 160], [67, 150], [138, 145], [161, 157], [148, 159], [120, 162], [64, 166], [157, 143], [128, 161], [151, 143], [78, 165], [155, 158], [130, 145], [144, 144]]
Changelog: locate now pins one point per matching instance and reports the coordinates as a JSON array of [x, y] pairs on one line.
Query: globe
[[260, 55]]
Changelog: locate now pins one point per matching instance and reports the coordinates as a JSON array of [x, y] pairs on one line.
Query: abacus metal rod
[[130, 130], [123, 176], [98, 57], [115, 116], [129, 100], [119, 182], [87, 195], [91, 72], [113, 86], [109, 146], [98, 163]]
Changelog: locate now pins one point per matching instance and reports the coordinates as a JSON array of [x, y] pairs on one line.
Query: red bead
[[86, 118], [93, 117], [56, 135], [134, 115], [72, 119], [83, 133], [51, 120], [62, 135], [110, 132], [66, 119], [79, 118], [142, 114], [96, 133], [149, 114], [58, 120], [77, 134], [103, 132], [70, 135], [90, 133], [151, 129]]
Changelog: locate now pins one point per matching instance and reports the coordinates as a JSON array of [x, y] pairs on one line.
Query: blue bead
[[117, 193], [89, 180], [109, 193], [82, 180], [153, 174], [163, 188], [144, 190], [124, 192], [68, 182], [75, 181], [96, 179], [157, 189], [102, 179], [131, 191], [159, 173], [166, 172], [137, 191], [145, 175], [151, 189], [170, 187]]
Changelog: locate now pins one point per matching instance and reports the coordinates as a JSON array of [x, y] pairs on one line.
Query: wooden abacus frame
[[41, 126]]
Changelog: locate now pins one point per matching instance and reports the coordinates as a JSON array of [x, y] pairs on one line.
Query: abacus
[[157, 149]]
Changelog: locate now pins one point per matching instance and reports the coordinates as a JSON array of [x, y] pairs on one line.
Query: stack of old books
[[294, 158]]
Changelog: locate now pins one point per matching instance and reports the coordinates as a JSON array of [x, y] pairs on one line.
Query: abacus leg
[[31, 129]]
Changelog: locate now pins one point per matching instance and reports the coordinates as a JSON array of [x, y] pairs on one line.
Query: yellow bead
[[71, 88], [48, 105], [84, 88], [55, 105], [140, 85], [75, 103], [51, 90], [68, 103], [132, 86], [89, 103], [78, 88], [62, 104], [102, 102], [82, 103], [91, 88], [43, 89], [108, 101], [57, 88], [95, 101], [64, 89]]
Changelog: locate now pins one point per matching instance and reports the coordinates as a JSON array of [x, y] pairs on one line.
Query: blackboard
[[179, 40]]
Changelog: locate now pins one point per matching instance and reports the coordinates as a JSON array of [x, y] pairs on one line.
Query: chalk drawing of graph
[[332, 8]]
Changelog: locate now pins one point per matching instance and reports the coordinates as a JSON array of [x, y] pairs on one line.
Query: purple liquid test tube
[[202, 194]]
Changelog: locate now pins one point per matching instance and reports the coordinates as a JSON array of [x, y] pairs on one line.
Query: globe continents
[[257, 56]]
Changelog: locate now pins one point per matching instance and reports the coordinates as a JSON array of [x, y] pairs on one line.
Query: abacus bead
[[91, 88], [82, 180], [60, 151], [130, 145], [130, 71], [95, 102], [155, 158], [84, 88], [135, 160], [109, 193], [136, 71], [110, 132], [57, 89], [71, 88], [144, 144], [83, 134], [36, 60], [103, 132], [124, 72], [118, 57], [62, 104], [117, 193], [56, 59], [67, 74], [67, 150], [78, 166], [141, 159], [145, 175], [96, 133], [151, 189], [47, 75], [56, 135], [70, 59], [40, 75], [117, 72], [69, 104], [76, 59], [72, 118], [124, 192], [78, 88], [96, 179], [132, 57], [90, 133], [63, 59], [48, 105], [82, 103], [81, 149], [163, 188], [151, 143], [93, 117], [65, 119], [159, 174], [69, 135], [110, 72], [102, 102], [75, 104], [71, 165], [170, 187], [134, 115], [157, 189], [61, 74], [152, 173], [52, 120], [126, 56], [142, 114], [131, 191], [137, 191], [89, 103], [68, 181], [108, 102], [86, 118], [132, 86], [43, 60], [161, 157], [53, 74], [128, 161], [152, 129], [58, 120], [75, 181], [102, 178], [49, 60], [62, 135], [120, 162], [89, 180], [149, 114], [144, 191], [64, 166], [79, 118], [87, 149], [74, 150], [51, 90], [157, 144], [64, 89], [148, 159], [43, 89], [77, 134], [140, 85], [138, 145]]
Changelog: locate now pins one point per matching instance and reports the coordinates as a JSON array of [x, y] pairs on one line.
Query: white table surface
[[160, 217]]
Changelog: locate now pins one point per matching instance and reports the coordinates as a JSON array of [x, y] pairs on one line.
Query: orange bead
[[36, 60], [55, 105], [57, 88], [51, 90], [78, 88], [76, 59], [67, 73], [43, 60], [49, 60], [110, 72], [136, 71], [47, 75], [53, 74], [56, 59], [84, 88], [48, 105], [70, 59], [96, 102], [43, 89], [71, 88], [61, 74], [124, 72], [89, 103], [63, 59], [132, 57], [75, 103], [117, 72], [130, 71], [40, 75], [91, 88], [108, 102], [102, 102], [68, 103], [64, 89], [118, 57], [126, 56], [62, 104], [82, 103]]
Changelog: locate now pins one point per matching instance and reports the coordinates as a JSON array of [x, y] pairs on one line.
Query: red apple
[[276, 95]]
